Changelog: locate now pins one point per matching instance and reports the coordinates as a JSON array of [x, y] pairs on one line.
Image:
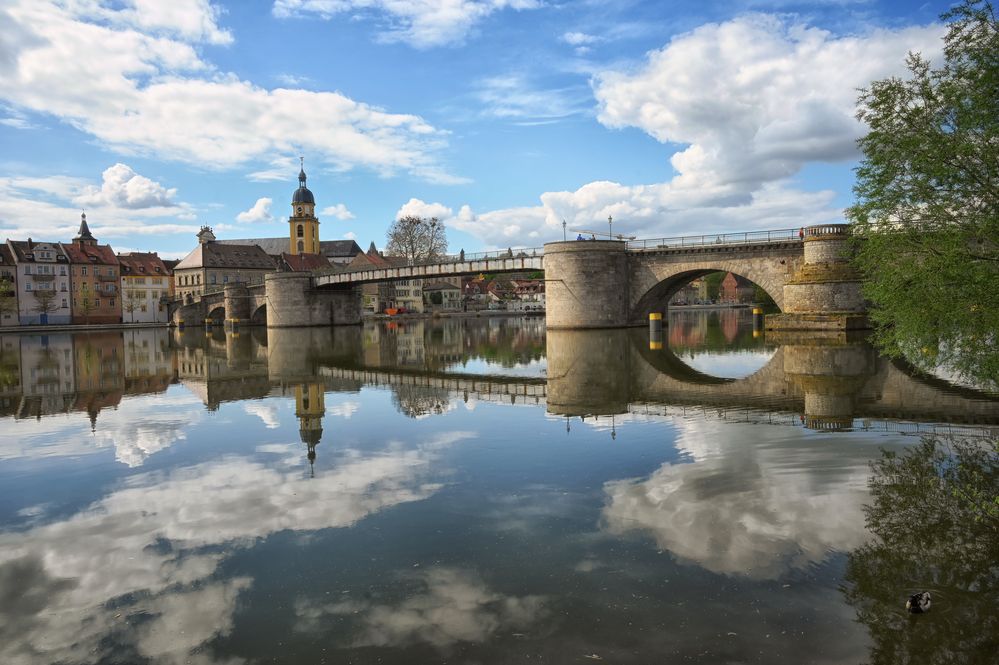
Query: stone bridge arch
[[259, 315], [216, 314], [654, 277]]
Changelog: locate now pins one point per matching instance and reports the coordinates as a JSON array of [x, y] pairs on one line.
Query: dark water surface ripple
[[461, 491]]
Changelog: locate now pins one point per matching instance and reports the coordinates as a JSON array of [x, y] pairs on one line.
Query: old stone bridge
[[589, 284]]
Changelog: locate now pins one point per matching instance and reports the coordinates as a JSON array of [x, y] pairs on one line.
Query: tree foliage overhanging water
[[927, 213]]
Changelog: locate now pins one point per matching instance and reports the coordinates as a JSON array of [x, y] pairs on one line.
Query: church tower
[[303, 223]]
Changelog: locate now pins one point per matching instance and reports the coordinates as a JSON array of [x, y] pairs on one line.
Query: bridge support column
[[825, 293], [237, 305], [586, 284], [293, 301]]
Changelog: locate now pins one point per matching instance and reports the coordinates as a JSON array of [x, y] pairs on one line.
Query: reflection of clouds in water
[[750, 507], [344, 409], [268, 413], [730, 365], [449, 606], [152, 546], [137, 428]]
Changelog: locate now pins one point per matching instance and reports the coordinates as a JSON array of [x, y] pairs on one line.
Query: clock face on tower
[[299, 210]]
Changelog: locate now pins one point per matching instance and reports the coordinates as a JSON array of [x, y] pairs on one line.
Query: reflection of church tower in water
[[310, 407]]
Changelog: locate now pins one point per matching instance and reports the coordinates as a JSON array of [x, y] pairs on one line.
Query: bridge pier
[[293, 301], [237, 305], [586, 284], [824, 294]]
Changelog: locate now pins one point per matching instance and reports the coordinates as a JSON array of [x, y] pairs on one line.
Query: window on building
[[112, 302], [300, 233], [64, 303], [97, 302], [83, 270], [301, 247], [225, 279], [27, 286], [212, 279]]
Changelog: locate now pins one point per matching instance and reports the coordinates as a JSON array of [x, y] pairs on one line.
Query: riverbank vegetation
[[926, 219]]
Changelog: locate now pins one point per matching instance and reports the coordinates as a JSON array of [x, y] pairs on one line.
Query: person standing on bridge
[[801, 234]]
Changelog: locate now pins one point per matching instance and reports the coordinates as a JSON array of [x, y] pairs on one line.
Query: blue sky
[[502, 117]]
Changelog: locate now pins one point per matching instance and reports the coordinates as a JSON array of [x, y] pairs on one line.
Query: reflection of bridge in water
[[606, 372]]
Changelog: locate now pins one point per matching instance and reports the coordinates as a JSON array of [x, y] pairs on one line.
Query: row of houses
[[81, 282]]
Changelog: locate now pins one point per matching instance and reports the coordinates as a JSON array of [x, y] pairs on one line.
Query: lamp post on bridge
[[610, 230]]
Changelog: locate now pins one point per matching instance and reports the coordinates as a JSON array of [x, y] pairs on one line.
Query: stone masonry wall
[[586, 284]]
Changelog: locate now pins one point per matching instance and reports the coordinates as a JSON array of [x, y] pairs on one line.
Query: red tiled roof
[[140, 264], [79, 253], [304, 262], [376, 260]]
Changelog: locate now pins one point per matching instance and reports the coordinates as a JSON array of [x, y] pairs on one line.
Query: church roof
[[303, 195], [84, 233], [276, 246]]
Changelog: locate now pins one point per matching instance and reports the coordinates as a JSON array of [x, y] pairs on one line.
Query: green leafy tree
[[926, 219], [934, 520]]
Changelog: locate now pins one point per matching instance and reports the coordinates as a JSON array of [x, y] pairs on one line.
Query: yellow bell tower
[[303, 224]]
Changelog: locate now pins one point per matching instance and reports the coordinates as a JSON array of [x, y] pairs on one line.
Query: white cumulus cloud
[[339, 211], [417, 208], [751, 102], [151, 92], [124, 188], [260, 212], [755, 98]]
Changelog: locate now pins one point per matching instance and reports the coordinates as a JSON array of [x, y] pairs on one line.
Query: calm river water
[[466, 491]]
